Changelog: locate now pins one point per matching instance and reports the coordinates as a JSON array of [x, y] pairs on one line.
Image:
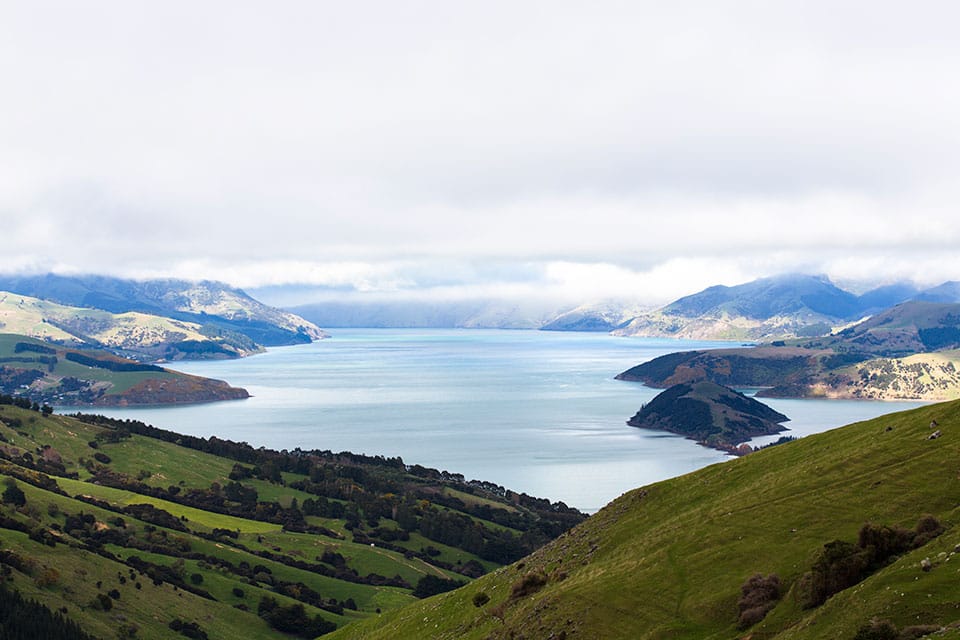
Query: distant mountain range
[[785, 306], [216, 310], [420, 314]]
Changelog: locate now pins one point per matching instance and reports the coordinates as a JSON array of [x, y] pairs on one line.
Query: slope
[[141, 335], [668, 560], [781, 306], [219, 308], [57, 374], [907, 352], [785, 306], [120, 524]]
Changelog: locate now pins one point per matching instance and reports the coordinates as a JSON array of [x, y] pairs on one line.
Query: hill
[[218, 308], [786, 306], [671, 560], [906, 329], [713, 415], [59, 374], [605, 316], [135, 532], [131, 334], [907, 352]]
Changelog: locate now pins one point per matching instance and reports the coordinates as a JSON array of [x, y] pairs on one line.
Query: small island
[[714, 415]]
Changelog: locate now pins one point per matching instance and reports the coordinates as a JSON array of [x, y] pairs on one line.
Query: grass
[[667, 561], [224, 563], [149, 608], [191, 516]]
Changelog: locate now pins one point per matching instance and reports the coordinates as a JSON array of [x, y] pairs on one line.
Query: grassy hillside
[[668, 560], [135, 334], [121, 525], [57, 374]]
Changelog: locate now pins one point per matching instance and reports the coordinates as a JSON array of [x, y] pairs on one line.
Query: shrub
[[838, 565], [877, 630], [480, 598], [928, 528], [758, 596], [196, 578], [528, 585], [238, 592], [432, 585], [916, 631], [102, 602], [49, 576], [14, 495]]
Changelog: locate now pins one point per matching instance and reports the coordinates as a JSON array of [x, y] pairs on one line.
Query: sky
[[436, 149]]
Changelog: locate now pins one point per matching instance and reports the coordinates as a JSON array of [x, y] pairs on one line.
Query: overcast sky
[[590, 149]]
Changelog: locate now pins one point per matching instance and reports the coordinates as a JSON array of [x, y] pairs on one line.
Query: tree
[[14, 495]]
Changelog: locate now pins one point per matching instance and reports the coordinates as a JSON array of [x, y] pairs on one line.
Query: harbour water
[[537, 412]]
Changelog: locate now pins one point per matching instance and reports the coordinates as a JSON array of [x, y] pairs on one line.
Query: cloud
[[464, 148]]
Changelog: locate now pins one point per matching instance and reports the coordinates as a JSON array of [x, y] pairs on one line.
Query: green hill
[[136, 532], [669, 560], [57, 374]]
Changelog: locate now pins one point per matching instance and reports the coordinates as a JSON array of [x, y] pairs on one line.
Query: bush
[[918, 631], [528, 585], [758, 596], [877, 630], [102, 602], [238, 592], [926, 530], [48, 577], [480, 598], [840, 565], [432, 585], [14, 495], [196, 578]]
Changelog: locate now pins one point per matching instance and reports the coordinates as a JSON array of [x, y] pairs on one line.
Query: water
[[537, 412]]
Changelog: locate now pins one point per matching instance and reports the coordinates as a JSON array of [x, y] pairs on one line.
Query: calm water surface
[[537, 412]]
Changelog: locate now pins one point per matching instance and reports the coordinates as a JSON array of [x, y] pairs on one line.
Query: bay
[[537, 412]]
